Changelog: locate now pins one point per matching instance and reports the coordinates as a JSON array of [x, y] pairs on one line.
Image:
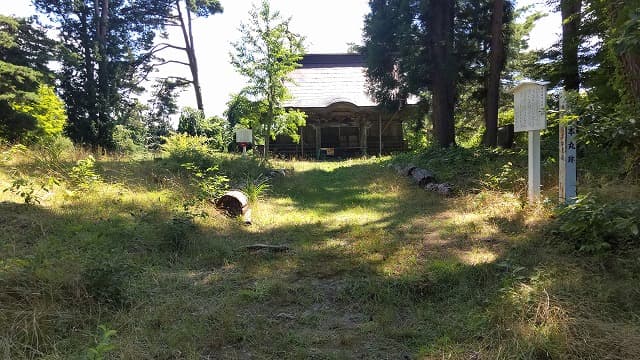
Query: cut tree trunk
[[234, 202], [422, 177]]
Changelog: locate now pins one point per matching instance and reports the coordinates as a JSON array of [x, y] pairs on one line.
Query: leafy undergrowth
[[378, 269]]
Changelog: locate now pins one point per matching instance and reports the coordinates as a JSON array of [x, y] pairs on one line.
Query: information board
[[244, 135], [530, 106]]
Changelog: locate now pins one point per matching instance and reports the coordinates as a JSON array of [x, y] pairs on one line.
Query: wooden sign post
[[530, 116], [568, 156], [243, 138]]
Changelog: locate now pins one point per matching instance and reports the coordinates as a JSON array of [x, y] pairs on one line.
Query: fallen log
[[408, 170], [234, 202], [265, 247], [442, 189], [422, 177]]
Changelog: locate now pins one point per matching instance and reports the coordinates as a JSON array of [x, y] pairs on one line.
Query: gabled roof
[[326, 79]]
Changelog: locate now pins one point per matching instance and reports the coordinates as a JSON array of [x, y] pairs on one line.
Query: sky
[[325, 30]]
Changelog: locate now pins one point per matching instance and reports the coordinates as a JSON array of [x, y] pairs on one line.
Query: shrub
[[103, 344], [178, 228], [83, 175], [183, 148], [508, 177], [256, 187], [209, 182], [48, 112], [30, 191], [124, 140], [106, 282], [594, 226]]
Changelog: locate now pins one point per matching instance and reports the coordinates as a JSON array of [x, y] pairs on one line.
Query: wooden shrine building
[[342, 119]]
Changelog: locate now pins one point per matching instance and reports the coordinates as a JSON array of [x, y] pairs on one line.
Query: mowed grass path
[[379, 269]]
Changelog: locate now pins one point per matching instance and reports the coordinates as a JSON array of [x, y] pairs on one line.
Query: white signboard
[[530, 106], [244, 135]]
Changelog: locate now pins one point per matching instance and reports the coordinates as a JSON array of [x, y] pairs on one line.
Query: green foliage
[[47, 110], [216, 129], [30, 191], [211, 184], [191, 121], [104, 55], [192, 154], [103, 344], [594, 226], [265, 54], [83, 175], [179, 227], [106, 281], [125, 140], [256, 187], [508, 178], [161, 106], [183, 148], [219, 132], [26, 104], [242, 111]]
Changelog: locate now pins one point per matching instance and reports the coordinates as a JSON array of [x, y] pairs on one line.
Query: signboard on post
[[243, 138], [568, 156], [530, 116], [530, 106]]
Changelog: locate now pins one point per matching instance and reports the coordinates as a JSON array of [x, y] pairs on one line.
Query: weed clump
[[106, 282], [593, 226]]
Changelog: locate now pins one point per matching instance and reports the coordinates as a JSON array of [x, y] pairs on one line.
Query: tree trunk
[[496, 64], [571, 18], [104, 91], [187, 33], [443, 74], [86, 132], [631, 66], [193, 64]]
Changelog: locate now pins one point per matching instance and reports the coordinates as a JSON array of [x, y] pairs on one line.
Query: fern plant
[[256, 187]]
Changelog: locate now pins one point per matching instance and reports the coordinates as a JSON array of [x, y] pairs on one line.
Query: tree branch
[[171, 62]]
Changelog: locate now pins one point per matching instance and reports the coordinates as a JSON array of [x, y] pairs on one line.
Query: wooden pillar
[[302, 142], [380, 134], [363, 137], [318, 140]]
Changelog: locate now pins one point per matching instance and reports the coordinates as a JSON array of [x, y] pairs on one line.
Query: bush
[[594, 226], [178, 228], [30, 191], [124, 140], [216, 129], [106, 282], [83, 175], [209, 182], [256, 187], [183, 148]]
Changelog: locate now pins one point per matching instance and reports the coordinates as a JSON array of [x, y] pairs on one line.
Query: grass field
[[379, 269]]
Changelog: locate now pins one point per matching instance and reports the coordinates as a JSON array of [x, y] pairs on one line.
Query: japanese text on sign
[[529, 106]]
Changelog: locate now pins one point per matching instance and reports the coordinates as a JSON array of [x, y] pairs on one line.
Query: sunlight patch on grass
[[477, 256]]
